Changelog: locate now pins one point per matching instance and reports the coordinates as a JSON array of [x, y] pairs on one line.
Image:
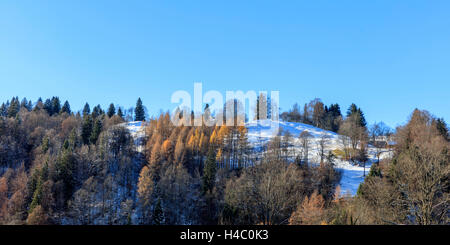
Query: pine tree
[[120, 113], [442, 127], [139, 113], [158, 214], [14, 107], [66, 108], [48, 107], [86, 129], [209, 172], [3, 110], [353, 110], [24, 104], [97, 111], [86, 109], [56, 105], [111, 110], [29, 105], [96, 131]]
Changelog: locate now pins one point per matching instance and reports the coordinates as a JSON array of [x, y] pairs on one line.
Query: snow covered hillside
[[260, 132], [137, 131]]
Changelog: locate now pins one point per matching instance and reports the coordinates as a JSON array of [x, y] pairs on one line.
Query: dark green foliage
[[65, 166], [56, 105], [209, 171], [111, 110], [354, 110], [26, 104], [66, 108], [48, 106], [3, 110], [374, 171], [442, 128], [52, 106], [86, 109], [96, 131], [139, 112], [332, 116], [158, 214], [39, 179], [14, 107], [97, 111], [120, 113], [86, 129]]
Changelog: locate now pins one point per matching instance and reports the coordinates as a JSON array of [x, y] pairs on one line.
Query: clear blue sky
[[386, 56]]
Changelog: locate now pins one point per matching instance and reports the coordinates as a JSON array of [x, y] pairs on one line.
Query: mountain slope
[[260, 132]]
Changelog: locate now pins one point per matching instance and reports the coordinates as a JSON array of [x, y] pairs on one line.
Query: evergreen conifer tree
[[111, 110], [56, 105], [66, 108], [48, 106], [86, 129], [96, 131], [3, 110], [86, 109], [209, 172], [158, 214], [14, 107], [139, 113], [120, 113]]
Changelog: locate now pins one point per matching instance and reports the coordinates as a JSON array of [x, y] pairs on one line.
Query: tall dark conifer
[[119, 112], [86, 129], [139, 113], [66, 108], [86, 109], [111, 110]]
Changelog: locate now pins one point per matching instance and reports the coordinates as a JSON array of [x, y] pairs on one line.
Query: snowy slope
[[137, 131], [261, 132]]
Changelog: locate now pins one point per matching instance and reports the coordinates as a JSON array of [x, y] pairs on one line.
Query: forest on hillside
[[59, 166]]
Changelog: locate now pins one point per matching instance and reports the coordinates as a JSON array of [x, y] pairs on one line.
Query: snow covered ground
[[137, 131], [261, 132]]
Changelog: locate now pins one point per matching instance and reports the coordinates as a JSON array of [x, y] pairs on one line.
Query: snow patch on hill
[[261, 132], [137, 131]]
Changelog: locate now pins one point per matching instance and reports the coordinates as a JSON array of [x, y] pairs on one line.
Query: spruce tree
[[56, 105], [158, 214], [86, 129], [209, 171], [96, 131], [29, 105], [97, 111], [111, 110], [442, 127], [3, 110], [354, 110], [24, 104], [48, 107], [120, 113], [139, 113], [14, 107], [86, 109], [66, 108]]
